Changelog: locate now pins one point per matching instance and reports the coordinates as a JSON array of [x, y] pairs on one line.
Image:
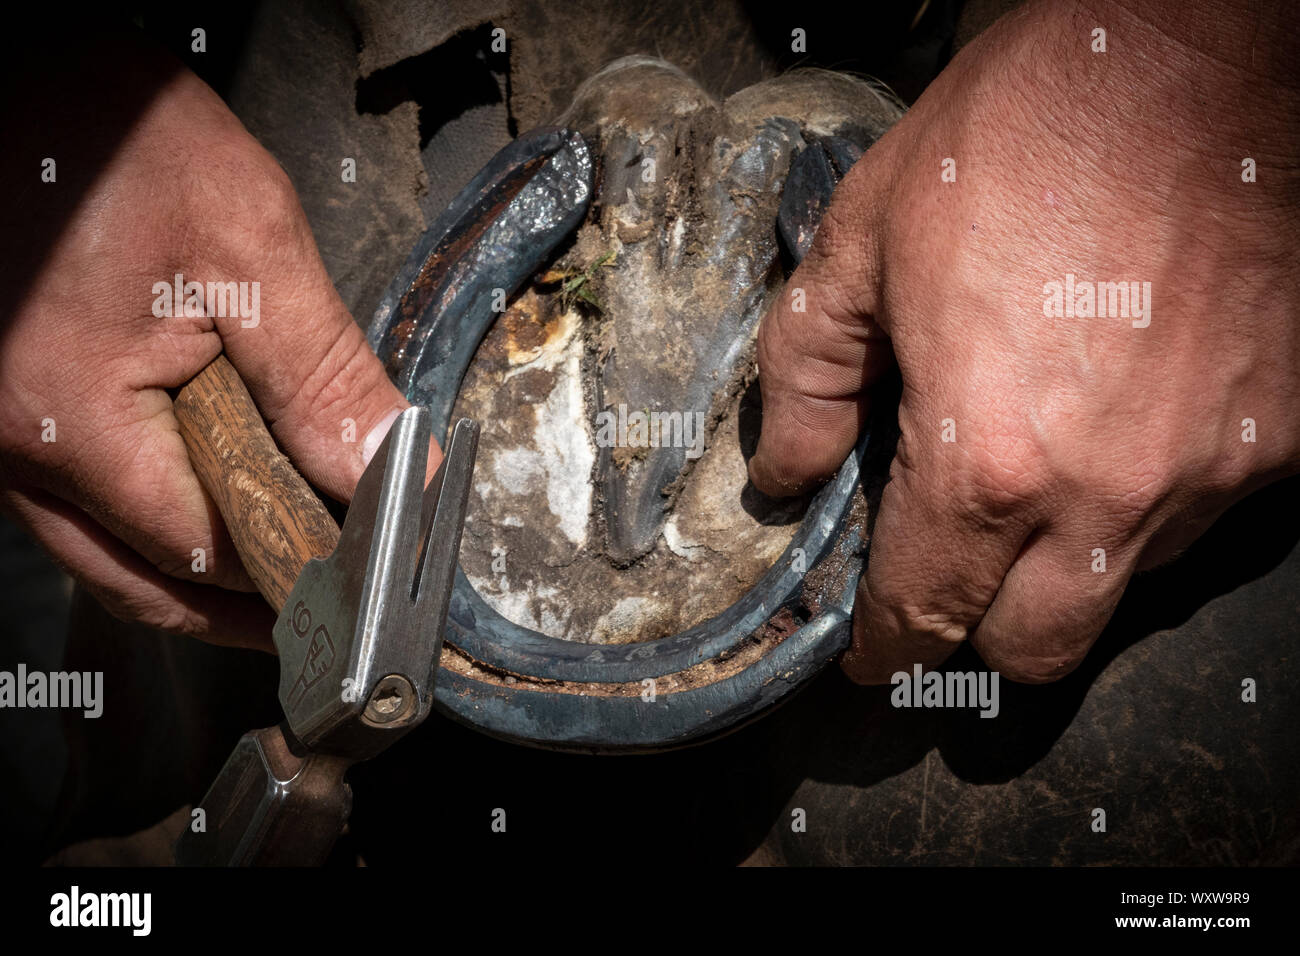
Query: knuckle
[[1145, 489], [342, 380], [175, 563], [999, 480], [1123, 477], [257, 198], [989, 478], [1123, 503], [171, 618], [894, 597], [904, 461], [934, 625], [156, 611], [272, 198], [269, 206]]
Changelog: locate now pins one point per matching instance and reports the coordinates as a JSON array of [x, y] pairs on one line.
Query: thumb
[[323, 392], [819, 348]]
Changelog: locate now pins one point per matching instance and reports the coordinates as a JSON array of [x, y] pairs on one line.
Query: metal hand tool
[[362, 614]]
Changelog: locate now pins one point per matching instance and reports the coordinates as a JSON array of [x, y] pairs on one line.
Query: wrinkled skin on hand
[[185, 190], [1071, 434]]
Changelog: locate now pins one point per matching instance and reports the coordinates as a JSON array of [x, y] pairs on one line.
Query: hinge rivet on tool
[[392, 699]]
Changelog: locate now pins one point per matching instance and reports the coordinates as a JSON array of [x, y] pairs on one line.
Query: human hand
[[87, 361], [1045, 458]]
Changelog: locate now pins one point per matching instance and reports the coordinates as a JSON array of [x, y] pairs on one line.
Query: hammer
[[361, 616]]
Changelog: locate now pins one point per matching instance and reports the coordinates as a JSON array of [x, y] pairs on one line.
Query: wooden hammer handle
[[277, 522]]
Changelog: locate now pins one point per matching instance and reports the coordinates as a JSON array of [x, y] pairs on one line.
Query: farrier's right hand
[[91, 461]]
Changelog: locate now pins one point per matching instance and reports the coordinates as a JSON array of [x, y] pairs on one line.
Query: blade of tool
[[370, 655], [277, 801], [391, 573]]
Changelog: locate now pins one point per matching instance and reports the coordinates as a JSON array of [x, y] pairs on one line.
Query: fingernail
[[375, 437]]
